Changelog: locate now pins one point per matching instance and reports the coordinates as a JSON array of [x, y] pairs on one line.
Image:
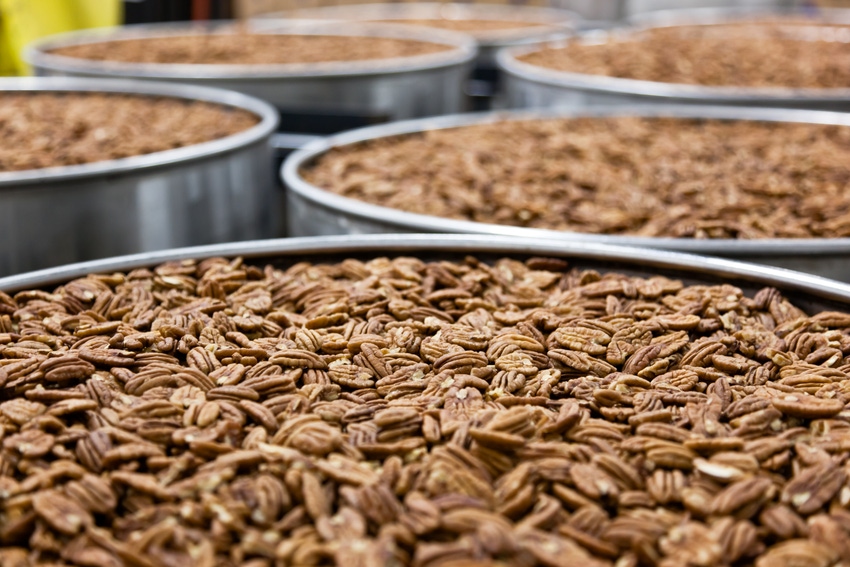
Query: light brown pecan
[[743, 498], [351, 418], [60, 512], [814, 487], [797, 552], [807, 407]]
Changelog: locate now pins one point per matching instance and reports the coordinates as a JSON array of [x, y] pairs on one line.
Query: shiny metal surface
[[599, 12], [314, 212], [288, 142], [634, 7], [560, 23], [810, 292], [530, 86], [667, 13], [394, 89], [603, 13], [218, 191]]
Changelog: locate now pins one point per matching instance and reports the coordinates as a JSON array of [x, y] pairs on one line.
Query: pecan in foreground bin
[[397, 412], [648, 177]]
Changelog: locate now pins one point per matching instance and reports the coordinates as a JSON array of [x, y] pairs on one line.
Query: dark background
[[148, 11]]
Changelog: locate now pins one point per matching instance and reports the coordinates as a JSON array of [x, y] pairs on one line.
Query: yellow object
[[23, 21]]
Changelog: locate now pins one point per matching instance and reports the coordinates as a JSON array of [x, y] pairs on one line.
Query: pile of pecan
[[661, 177], [474, 27], [796, 53], [45, 129], [250, 49], [398, 412]]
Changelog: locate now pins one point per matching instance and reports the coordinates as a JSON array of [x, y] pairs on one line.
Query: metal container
[[634, 7], [605, 13], [666, 13], [217, 191], [314, 211], [531, 86], [374, 90], [596, 13], [559, 23], [811, 293], [484, 84]]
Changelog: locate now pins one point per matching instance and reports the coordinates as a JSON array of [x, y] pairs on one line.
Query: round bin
[[523, 24], [606, 13], [492, 26], [362, 91], [636, 7], [532, 86], [217, 191], [315, 211], [407, 399]]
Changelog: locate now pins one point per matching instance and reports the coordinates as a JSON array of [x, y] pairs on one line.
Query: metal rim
[[258, 133], [398, 243], [553, 17], [290, 175], [678, 16], [38, 55], [508, 61]]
